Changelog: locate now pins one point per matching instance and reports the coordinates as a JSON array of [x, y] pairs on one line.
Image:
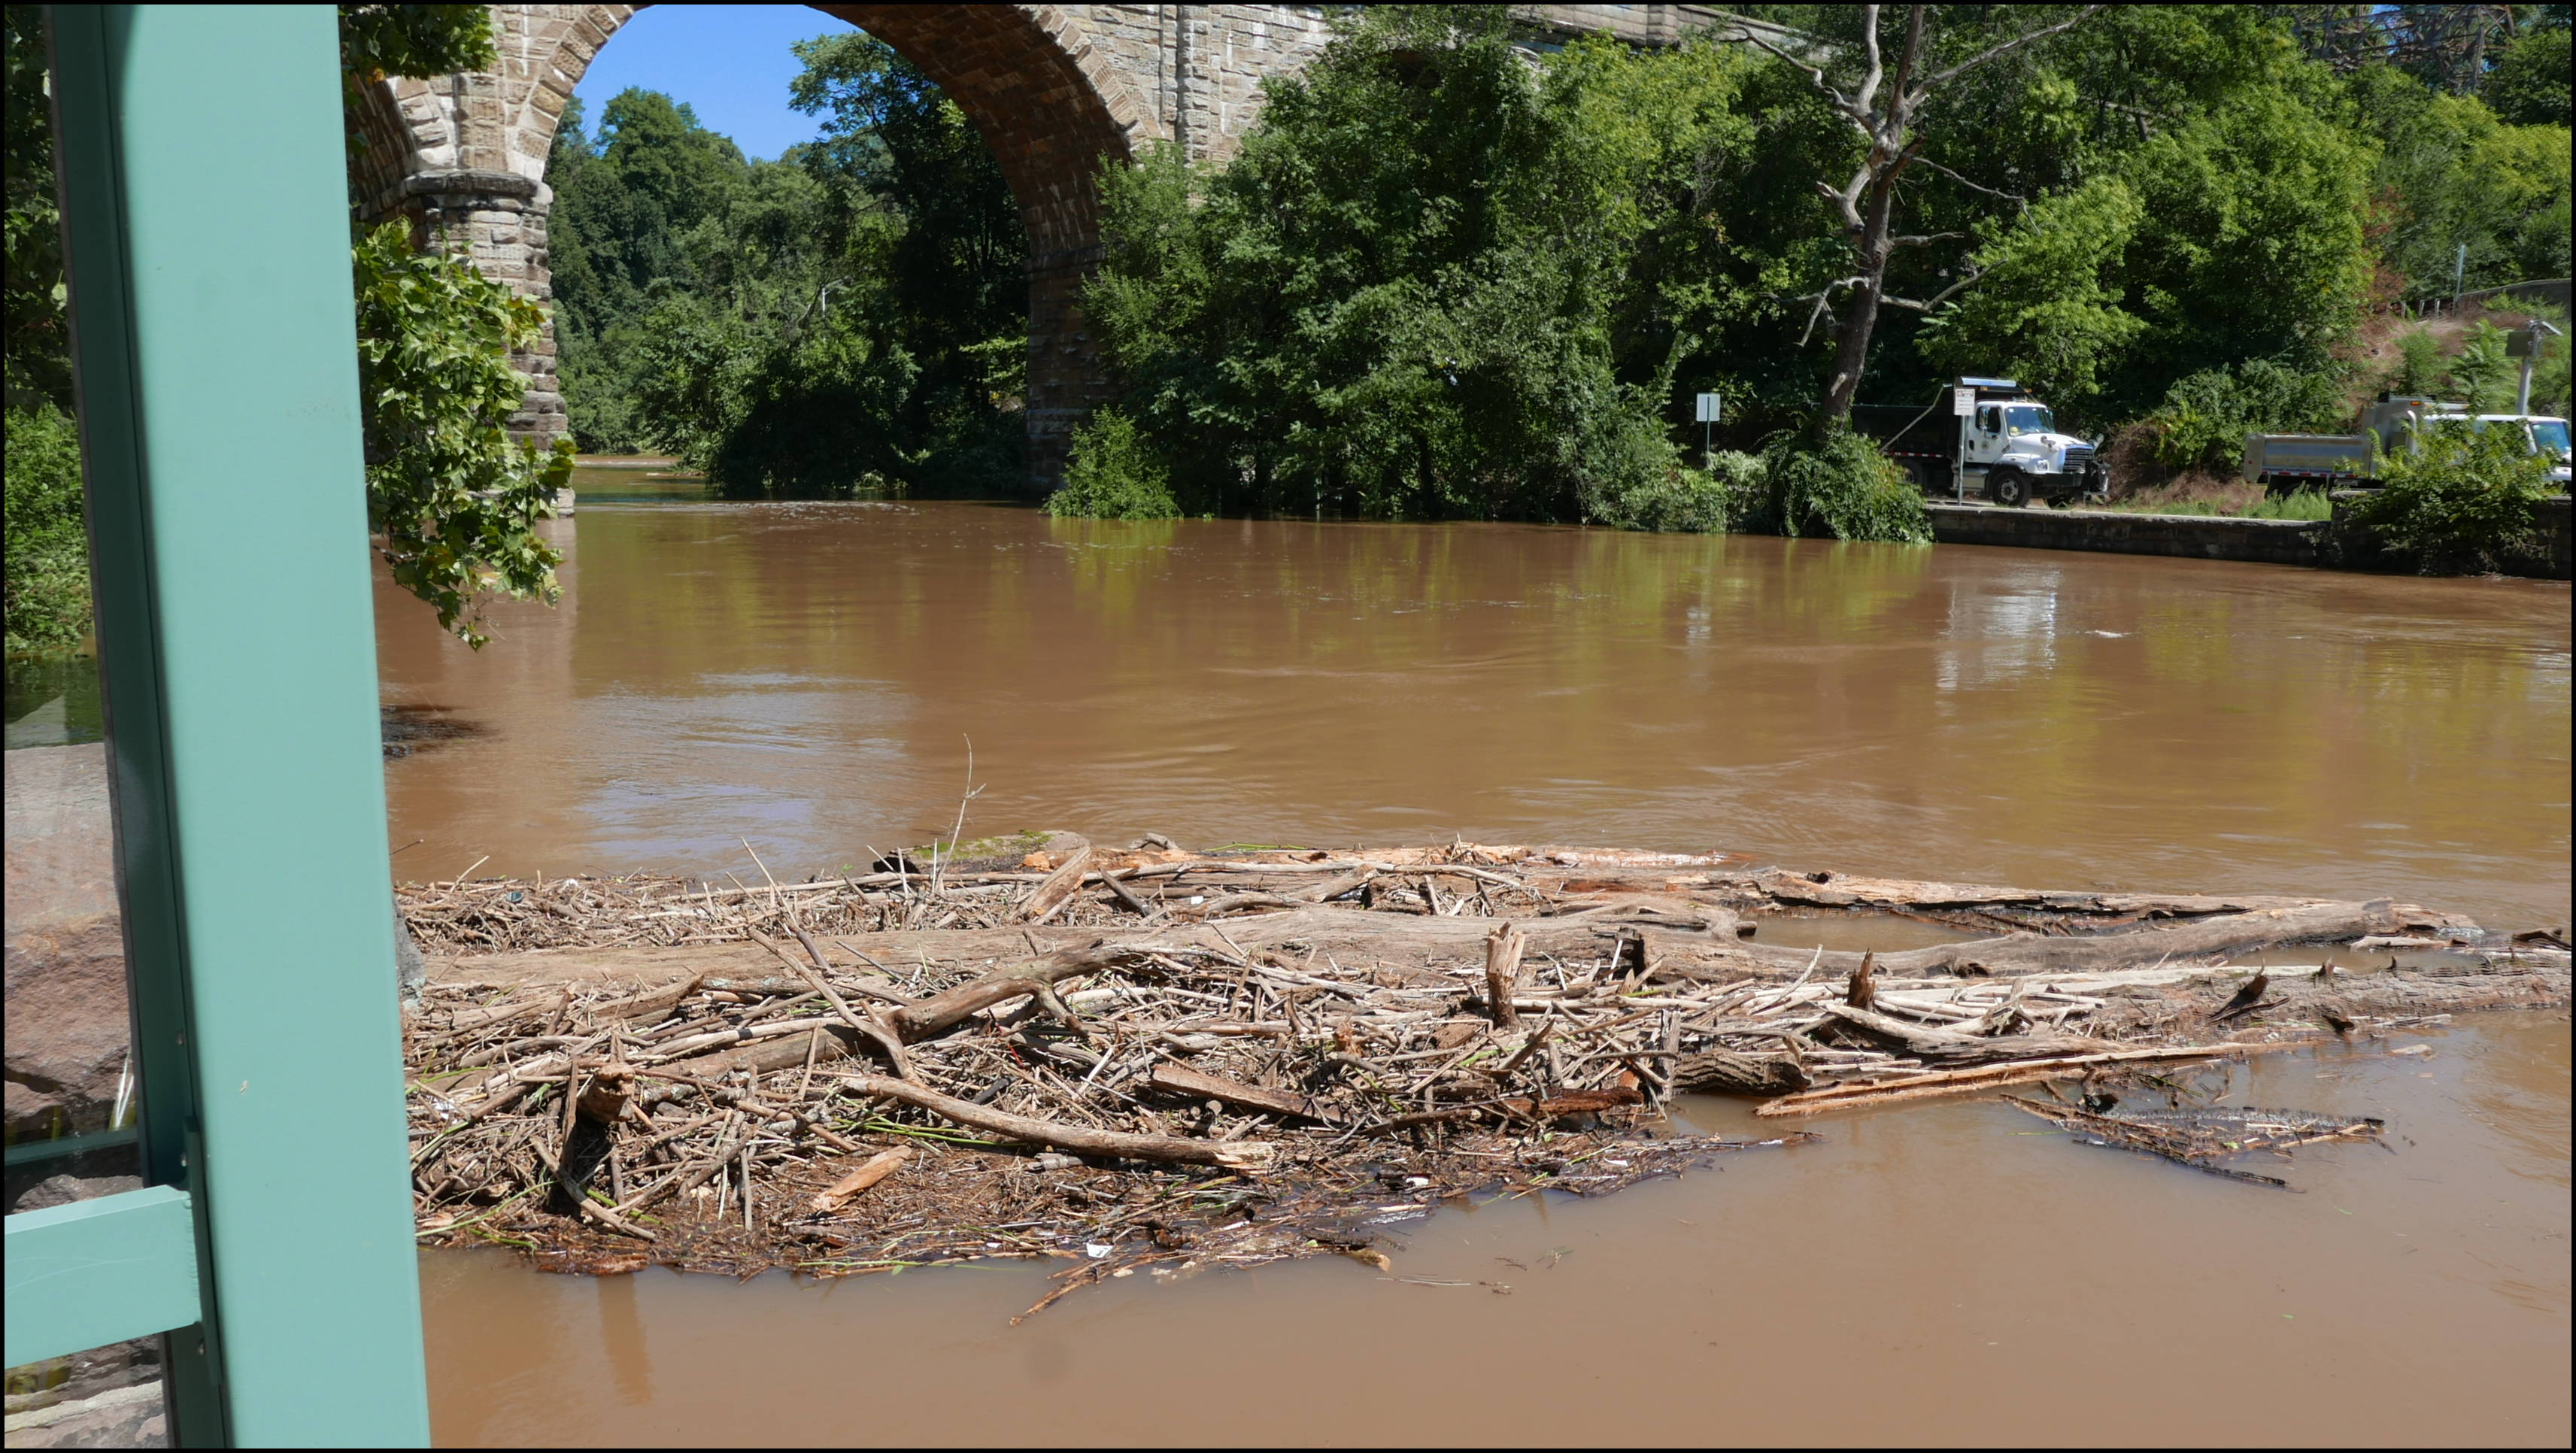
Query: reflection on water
[[53, 701], [1940, 1273], [807, 677]]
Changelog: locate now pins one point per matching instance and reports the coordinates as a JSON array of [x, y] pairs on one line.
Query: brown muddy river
[[806, 679]]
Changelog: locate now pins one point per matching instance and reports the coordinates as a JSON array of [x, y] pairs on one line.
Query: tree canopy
[[847, 317]]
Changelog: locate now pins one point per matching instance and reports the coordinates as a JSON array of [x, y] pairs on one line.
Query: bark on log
[[1232, 1154], [1951, 1046], [1180, 1079], [1681, 951], [1725, 1072], [1987, 1077], [1503, 950]]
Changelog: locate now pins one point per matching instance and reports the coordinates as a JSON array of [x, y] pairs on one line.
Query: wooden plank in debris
[[1180, 1079], [1058, 889]]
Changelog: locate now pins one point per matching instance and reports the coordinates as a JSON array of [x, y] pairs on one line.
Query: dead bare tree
[[1885, 109]]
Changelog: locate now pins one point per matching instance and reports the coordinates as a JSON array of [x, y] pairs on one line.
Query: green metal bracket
[[101, 1271], [213, 330]]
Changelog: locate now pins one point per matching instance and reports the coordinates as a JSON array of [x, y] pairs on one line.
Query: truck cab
[[2015, 446], [2007, 446]]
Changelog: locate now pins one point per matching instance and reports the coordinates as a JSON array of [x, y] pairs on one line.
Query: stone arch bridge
[[1053, 89]]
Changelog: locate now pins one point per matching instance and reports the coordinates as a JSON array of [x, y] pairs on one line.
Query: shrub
[[1112, 475], [2205, 417], [2460, 502], [2419, 362], [2482, 374], [1683, 500], [48, 563], [1843, 487], [2303, 504]]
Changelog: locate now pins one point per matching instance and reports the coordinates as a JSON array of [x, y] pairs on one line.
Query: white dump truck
[[2396, 419], [2298, 461], [1989, 435]]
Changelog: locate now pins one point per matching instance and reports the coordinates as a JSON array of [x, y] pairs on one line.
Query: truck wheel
[[2008, 488]]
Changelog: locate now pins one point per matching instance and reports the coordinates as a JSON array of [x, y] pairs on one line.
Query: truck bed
[[2291, 458]]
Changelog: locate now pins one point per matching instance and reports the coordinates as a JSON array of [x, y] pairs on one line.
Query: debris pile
[[1156, 1058]]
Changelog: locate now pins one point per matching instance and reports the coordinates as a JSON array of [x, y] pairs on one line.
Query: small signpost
[[1708, 417], [1963, 402]]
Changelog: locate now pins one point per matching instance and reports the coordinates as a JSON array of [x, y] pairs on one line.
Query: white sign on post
[[1963, 401], [1708, 408]]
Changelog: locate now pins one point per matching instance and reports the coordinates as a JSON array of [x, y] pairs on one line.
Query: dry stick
[[688, 1179], [764, 871], [1236, 1155], [1180, 1079], [745, 1100], [1126, 896], [593, 1211], [926, 1017], [874, 1030], [1528, 1047]]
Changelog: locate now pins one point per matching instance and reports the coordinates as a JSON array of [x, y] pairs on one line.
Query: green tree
[[850, 317], [1411, 294], [2468, 197], [1887, 84], [38, 349], [48, 576], [2050, 305], [2528, 86], [626, 203]]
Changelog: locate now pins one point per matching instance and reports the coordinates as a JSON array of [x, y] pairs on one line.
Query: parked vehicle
[[2006, 448], [2397, 418], [2285, 462]]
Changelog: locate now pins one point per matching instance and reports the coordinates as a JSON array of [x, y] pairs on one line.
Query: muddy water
[[1957, 1274], [805, 677]]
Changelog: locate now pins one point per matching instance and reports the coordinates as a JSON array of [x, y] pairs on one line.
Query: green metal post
[[206, 228]]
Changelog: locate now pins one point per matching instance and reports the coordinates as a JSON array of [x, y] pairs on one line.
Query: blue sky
[[730, 62]]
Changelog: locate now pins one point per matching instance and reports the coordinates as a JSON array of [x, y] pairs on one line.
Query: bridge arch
[[1052, 88], [465, 156]]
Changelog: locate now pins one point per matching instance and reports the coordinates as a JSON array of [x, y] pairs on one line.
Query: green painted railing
[[206, 230]]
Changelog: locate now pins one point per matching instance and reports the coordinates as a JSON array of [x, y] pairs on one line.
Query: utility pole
[[2528, 345]]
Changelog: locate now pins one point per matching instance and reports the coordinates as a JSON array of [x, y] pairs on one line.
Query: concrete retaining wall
[[2198, 537]]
